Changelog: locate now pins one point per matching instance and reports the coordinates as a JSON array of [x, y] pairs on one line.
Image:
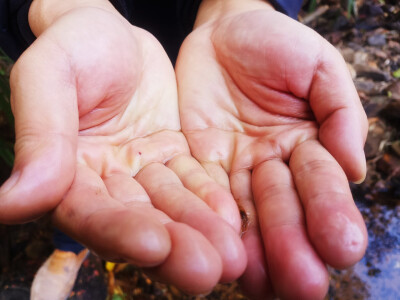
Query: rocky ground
[[370, 43]]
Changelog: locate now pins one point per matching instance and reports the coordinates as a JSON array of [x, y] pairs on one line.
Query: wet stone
[[394, 90], [391, 112], [375, 105], [377, 40], [371, 73], [396, 147], [348, 54], [371, 147], [388, 164], [360, 58], [366, 86]]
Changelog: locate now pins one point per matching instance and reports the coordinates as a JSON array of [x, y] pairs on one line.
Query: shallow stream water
[[377, 275]]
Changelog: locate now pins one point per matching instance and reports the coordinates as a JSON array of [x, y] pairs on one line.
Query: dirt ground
[[370, 44]]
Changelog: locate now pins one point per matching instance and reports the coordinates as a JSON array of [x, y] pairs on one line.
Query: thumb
[[43, 99], [337, 107]]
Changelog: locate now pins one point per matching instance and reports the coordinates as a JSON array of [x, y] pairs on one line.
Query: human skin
[[269, 109], [99, 148]]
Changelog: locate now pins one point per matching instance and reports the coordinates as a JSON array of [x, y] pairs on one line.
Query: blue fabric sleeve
[[170, 24], [288, 7], [65, 243]]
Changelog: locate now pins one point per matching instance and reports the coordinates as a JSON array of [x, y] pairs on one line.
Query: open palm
[[270, 111], [99, 143]]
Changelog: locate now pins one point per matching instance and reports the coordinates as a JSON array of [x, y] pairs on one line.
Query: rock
[[353, 72], [377, 135], [372, 10], [396, 147], [371, 73], [341, 23], [360, 58], [366, 86], [394, 46], [348, 54], [378, 53], [388, 164], [377, 40], [371, 147], [394, 90], [375, 105], [391, 112], [368, 24]]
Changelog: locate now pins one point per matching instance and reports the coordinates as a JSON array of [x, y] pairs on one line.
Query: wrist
[[43, 13], [213, 10]]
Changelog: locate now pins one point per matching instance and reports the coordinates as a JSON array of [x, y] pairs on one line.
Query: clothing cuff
[[288, 7]]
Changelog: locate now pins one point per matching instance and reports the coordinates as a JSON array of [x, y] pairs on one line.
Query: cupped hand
[[269, 109], [98, 143]]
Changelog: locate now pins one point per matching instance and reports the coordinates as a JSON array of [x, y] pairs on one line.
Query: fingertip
[[345, 142], [234, 258], [255, 282], [291, 259], [134, 237], [342, 238], [360, 172], [193, 265], [223, 238]]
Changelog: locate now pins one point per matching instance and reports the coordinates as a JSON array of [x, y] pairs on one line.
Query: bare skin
[[99, 145], [269, 109]]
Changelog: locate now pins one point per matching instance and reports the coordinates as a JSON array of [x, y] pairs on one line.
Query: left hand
[[270, 111]]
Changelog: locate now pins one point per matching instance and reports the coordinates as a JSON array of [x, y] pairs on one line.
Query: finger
[[342, 120], [170, 196], [130, 193], [193, 265], [334, 224], [126, 190], [196, 179], [217, 172], [89, 215], [46, 125], [255, 281], [289, 253]]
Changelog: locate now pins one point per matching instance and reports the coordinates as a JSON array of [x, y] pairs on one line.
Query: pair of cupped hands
[[151, 166]]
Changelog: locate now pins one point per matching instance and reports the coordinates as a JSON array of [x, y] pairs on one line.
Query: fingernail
[[359, 181], [10, 183]]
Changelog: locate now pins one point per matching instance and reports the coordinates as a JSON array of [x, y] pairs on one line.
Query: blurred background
[[367, 33]]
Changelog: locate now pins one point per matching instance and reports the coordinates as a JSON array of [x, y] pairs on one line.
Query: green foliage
[[6, 152], [6, 116], [5, 107], [312, 6], [396, 74], [348, 5]]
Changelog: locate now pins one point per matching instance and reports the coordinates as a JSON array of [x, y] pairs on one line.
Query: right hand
[[98, 144]]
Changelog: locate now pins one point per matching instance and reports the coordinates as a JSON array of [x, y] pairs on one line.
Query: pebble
[[391, 112], [371, 73], [394, 90], [366, 86], [377, 40], [348, 54], [360, 58]]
